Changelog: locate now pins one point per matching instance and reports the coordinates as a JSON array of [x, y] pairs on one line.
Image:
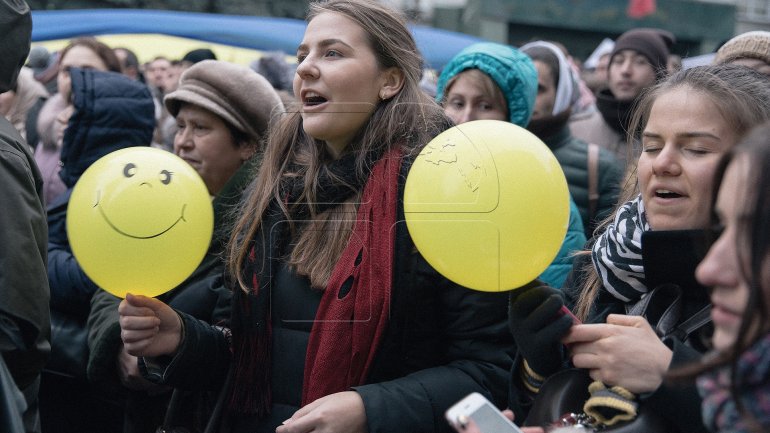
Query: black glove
[[538, 325]]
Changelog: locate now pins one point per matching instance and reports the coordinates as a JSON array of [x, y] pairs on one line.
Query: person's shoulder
[[592, 118], [606, 157], [12, 144]]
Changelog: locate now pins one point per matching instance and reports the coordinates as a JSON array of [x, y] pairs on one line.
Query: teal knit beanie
[[512, 70]]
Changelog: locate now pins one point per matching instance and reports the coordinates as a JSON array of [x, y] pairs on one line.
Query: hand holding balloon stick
[[566, 311], [487, 205], [139, 221]]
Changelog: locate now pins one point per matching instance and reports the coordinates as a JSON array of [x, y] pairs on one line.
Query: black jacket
[[25, 327], [442, 342], [669, 258]]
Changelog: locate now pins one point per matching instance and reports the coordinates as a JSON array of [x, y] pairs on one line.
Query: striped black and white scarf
[[617, 253]]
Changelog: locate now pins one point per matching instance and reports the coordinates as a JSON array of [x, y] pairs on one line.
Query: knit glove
[[610, 406], [538, 325]]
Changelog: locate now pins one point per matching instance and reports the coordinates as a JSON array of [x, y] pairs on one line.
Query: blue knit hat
[[512, 70]]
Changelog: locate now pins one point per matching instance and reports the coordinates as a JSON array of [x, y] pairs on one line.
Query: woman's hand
[[342, 412], [131, 377], [625, 351], [149, 327]]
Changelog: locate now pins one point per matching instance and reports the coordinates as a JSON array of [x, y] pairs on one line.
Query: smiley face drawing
[[146, 187], [139, 221]]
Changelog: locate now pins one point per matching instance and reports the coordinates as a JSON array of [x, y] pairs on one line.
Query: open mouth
[[664, 193], [314, 100]]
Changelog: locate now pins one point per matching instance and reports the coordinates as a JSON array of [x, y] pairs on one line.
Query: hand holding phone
[[486, 417]]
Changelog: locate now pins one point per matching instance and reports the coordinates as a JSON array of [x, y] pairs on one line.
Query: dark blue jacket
[[112, 112]]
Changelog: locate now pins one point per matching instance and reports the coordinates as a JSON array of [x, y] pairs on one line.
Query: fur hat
[[276, 69], [16, 28], [654, 44], [39, 58], [240, 96], [752, 45], [512, 70]]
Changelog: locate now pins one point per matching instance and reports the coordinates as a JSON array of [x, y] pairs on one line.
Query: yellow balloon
[[139, 221], [487, 205]]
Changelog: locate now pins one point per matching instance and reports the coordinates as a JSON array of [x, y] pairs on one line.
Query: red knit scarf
[[349, 324]]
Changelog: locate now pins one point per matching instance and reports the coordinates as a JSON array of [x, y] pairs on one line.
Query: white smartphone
[[483, 413]]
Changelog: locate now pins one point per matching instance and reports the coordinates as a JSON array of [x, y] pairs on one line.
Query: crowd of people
[[312, 309]]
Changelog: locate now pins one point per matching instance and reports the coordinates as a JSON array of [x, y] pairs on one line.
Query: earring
[[382, 96]]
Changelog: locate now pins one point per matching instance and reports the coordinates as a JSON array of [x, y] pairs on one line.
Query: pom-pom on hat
[[240, 96]]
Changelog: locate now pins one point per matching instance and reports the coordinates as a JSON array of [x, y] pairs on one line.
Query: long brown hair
[[742, 97], [408, 119], [753, 249]]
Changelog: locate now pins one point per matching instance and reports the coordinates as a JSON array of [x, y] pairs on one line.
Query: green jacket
[[572, 154]]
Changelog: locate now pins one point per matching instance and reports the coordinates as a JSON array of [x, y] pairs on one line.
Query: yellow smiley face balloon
[[139, 221]]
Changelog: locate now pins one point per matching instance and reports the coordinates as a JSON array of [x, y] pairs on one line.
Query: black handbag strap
[[695, 322], [171, 410], [214, 422], [662, 307], [216, 414]]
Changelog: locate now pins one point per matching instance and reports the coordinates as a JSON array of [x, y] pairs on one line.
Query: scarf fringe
[[251, 393], [251, 353]]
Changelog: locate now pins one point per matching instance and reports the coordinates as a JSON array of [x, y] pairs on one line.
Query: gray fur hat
[[240, 96]]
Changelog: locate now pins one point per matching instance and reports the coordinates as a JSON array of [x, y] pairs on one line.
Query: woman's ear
[[392, 82], [247, 150]]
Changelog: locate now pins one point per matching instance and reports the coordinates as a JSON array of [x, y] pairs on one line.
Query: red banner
[[640, 8]]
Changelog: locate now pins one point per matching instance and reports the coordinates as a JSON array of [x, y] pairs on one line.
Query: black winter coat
[[25, 328], [442, 342], [672, 261], [197, 295]]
